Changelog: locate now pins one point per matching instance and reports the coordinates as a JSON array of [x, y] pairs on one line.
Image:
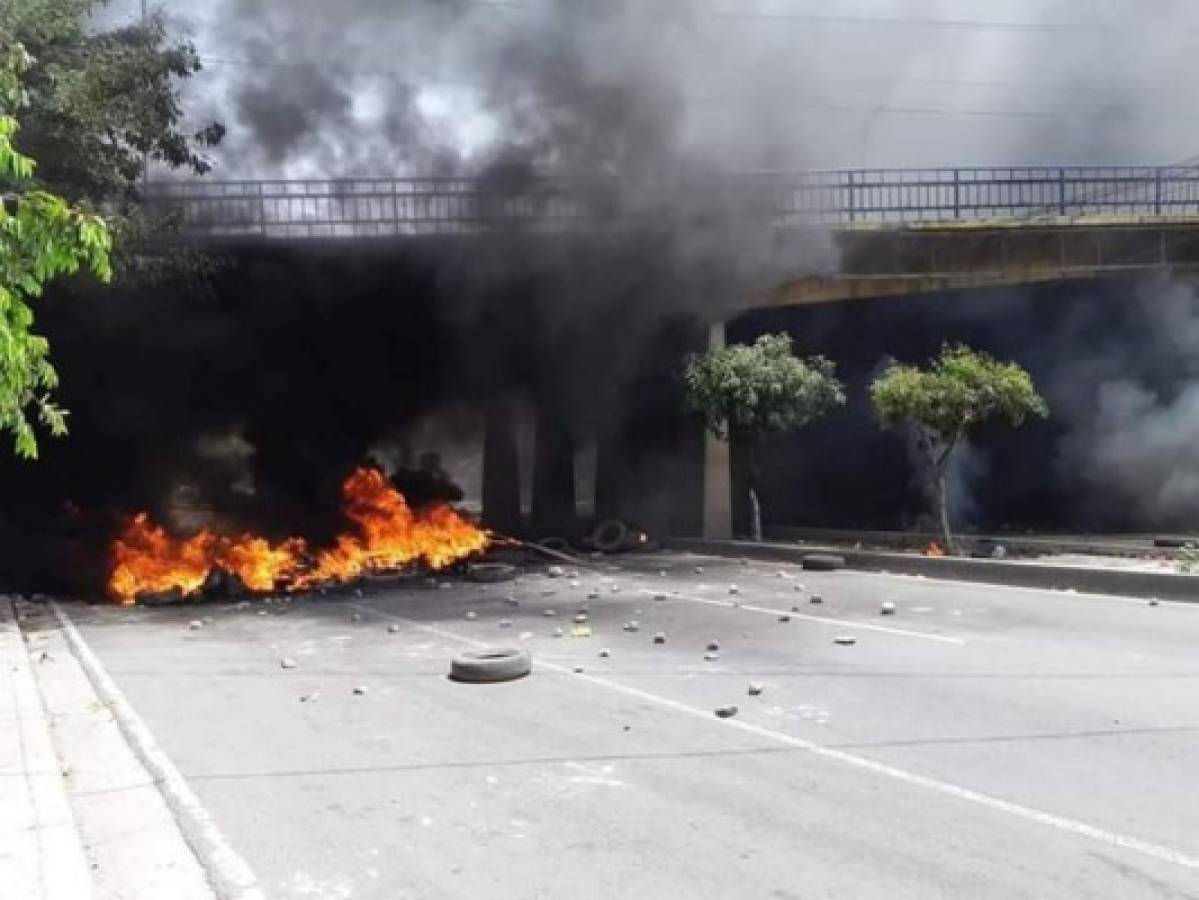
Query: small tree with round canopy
[[959, 391], [744, 392]]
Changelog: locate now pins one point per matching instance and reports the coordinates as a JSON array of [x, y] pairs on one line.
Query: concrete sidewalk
[[41, 855]]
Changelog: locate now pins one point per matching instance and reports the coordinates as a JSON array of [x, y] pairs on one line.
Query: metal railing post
[[1061, 191], [957, 201], [851, 196], [1157, 191]]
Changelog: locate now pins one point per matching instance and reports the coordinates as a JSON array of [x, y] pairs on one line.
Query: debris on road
[[490, 572], [556, 572], [393, 629], [845, 640], [711, 657], [581, 617], [784, 618], [549, 613], [355, 617], [887, 609], [287, 663], [578, 670], [605, 653], [526, 635], [505, 623], [361, 690], [511, 601], [581, 631], [593, 595], [195, 624], [733, 589], [308, 698], [660, 597], [815, 598], [713, 646], [1153, 601], [558, 632], [632, 626], [726, 712], [659, 638], [699, 570], [756, 688], [471, 615]]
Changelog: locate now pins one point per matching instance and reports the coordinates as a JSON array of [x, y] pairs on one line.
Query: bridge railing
[[415, 206]]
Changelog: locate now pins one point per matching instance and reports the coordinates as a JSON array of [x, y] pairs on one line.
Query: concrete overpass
[[900, 231]]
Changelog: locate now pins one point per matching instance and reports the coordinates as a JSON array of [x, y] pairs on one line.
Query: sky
[[382, 87]]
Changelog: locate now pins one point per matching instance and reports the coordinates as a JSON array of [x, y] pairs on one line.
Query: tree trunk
[[941, 488], [755, 507]]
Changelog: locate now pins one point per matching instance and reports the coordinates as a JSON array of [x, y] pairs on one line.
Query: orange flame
[[387, 535], [933, 549]]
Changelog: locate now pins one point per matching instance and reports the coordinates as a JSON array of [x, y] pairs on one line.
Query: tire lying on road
[[490, 666], [823, 562], [610, 535]]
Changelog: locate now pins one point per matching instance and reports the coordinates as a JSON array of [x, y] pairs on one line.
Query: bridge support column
[[718, 486], [501, 471]]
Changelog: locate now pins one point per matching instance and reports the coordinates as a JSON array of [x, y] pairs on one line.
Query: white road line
[[230, 876], [997, 804], [824, 620]]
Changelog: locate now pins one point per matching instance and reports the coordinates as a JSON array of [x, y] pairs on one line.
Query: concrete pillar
[[553, 513], [501, 471], [718, 486]]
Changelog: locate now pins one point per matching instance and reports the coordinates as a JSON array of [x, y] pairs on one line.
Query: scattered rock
[[555, 572], [845, 640], [287, 663], [659, 638], [549, 613], [1153, 601], [699, 570], [784, 618], [798, 587], [262, 612], [756, 688], [733, 589], [547, 593], [816, 598], [593, 595], [361, 690], [726, 712], [780, 574], [195, 624], [605, 653], [887, 609], [526, 635], [711, 657], [393, 629], [581, 617], [512, 601], [632, 626], [505, 623], [355, 617], [578, 670], [661, 573], [659, 597], [574, 583], [713, 646], [471, 615], [308, 698], [795, 609], [615, 589], [558, 632]]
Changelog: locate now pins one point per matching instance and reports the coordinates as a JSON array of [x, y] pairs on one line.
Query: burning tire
[[490, 666], [823, 562]]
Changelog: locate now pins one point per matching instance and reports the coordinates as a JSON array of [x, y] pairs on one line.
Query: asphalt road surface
[[981, 742]]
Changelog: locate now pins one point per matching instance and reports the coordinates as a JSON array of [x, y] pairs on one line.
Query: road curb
[[231, 878], [41, 850], [1118, 582]]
